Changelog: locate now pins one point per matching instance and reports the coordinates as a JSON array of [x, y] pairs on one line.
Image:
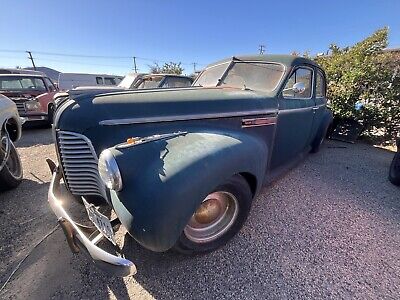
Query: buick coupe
[[181, 166]]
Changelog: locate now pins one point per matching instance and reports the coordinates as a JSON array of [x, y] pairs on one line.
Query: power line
[[82, 55], [134, 58], [81, 63]]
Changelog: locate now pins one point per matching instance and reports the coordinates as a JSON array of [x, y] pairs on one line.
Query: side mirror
[[299, 88]]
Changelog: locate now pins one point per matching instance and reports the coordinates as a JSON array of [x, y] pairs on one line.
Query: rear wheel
[[218, 218], [394, 171], [11, 171]]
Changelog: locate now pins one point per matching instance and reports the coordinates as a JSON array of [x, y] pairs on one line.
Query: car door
[[320, 101], [295, 117]]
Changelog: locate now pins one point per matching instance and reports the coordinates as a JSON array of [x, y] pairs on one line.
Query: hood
[[21, 94], [87, 111]]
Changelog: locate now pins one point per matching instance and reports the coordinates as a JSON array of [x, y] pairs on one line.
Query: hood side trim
[[158, 119]]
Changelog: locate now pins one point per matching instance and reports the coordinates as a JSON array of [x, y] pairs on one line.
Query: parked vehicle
[[20, 71], [162, 81], [33, 95], [127, 83], [394, 171], [180, 167], [67, 81], [10, 131], [135, 81], [132, 81]]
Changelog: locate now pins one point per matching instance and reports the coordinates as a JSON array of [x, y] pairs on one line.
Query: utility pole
[[194, 68], [31, 58], [261, 49], [134, 64]]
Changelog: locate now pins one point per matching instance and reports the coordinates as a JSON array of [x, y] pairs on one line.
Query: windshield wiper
[[233, 59]]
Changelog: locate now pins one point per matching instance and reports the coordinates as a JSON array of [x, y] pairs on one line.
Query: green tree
[[366, 73], [167, 68]]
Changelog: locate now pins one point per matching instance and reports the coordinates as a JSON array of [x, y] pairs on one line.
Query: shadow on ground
[[35, 135], [328, 229]]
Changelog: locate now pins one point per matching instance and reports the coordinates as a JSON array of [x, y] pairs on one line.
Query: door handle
[[315, 108]]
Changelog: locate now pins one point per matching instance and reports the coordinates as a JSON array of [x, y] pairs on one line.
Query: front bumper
[[78, 240], [34, 117]]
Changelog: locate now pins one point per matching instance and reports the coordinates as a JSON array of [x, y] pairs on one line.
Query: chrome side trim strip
[[173, 118], [257, 122], [293, 110]]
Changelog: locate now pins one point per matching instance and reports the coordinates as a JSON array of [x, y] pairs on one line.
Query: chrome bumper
[[76, 238]]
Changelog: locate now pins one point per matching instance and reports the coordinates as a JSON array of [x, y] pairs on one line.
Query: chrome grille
[[20, 104], [79, 162]]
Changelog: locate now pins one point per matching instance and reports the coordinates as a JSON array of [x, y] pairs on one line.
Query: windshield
[[149, 82], [21, 83], [245, 75], [128, 80]]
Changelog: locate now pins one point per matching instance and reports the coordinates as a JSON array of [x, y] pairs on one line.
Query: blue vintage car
[[180, 167], [394, 171]]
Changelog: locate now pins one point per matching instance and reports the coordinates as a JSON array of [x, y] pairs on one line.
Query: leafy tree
[[167, 68], [366, 73]]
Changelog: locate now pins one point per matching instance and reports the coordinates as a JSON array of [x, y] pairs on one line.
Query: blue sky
[[186, 31]]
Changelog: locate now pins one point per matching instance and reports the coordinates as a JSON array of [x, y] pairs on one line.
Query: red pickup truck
[[32, 93]]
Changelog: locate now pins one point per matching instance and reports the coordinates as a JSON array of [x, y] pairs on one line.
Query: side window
[[99, 80], [320, 85], [34, 83], [109, 81], [49, 84], [176, 82], [300, 75]]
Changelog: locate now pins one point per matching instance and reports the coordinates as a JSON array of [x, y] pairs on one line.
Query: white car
[[10, 131], [67, 81]]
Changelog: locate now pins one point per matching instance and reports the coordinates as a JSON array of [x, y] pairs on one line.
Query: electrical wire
[[26, 256], [99, 56]]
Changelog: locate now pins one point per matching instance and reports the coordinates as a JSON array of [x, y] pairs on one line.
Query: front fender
[[164, 181]]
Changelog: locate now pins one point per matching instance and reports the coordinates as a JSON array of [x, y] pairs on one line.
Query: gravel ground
[[330, 228]]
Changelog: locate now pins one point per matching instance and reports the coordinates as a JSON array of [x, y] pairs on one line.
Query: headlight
[[109, 171], [33, 105]]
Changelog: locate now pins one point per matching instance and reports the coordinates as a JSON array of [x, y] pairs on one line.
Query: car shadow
[[35, 135], [278, 238], [333, 218]]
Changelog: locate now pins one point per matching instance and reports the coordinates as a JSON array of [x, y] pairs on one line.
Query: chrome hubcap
[[216, 214], [9, 157], [4, 150]]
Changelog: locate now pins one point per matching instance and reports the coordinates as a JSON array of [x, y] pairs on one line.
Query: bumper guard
[[78, 240]]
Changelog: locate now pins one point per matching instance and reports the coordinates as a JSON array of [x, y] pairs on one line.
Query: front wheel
[[50, 115], [11, 172], [394, 171], [219, 217]]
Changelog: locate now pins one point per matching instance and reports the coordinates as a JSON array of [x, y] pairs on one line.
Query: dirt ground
[[330, 228]]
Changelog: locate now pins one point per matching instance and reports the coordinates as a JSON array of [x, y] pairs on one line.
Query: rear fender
[[327, 120], [164, 181]]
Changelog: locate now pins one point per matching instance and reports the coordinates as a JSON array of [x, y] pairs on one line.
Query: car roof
[[22, 75], [161, 74], [287, 60]]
